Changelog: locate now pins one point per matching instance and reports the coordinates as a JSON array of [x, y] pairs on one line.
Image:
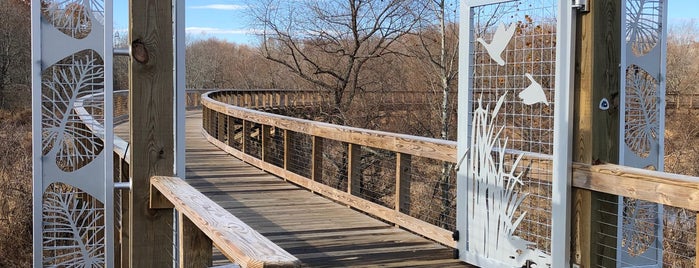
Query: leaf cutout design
[[73, 228], [65, 137], [643, 25], [642, 124], [495, 195], [74, 17], [639, 226]]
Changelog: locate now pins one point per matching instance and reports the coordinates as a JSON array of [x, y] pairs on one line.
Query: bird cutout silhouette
[[534, 93], [500, 40]]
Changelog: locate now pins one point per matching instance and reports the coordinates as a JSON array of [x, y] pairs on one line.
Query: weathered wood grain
[[596, 132], [233, 237], [402, 201], [408, 222], [195, 248], [659, 187], [151, 116]]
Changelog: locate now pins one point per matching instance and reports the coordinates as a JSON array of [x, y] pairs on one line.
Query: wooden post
[[245, 134], [152, 144], [317, 159], [403, 182], [266, 142], [231, 131], [221, 127], [354, 161], [287, 148], [195, 247], [596, 132]]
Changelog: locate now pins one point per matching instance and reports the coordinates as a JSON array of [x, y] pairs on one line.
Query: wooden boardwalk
[[320, 232]]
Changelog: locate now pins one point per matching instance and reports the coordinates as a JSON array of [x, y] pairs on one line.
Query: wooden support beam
[[266, 142], [354, 162], [246, 136], [221, 126], [287, 147], [403, 182], [152, 145], [196, 249], [596, 132], [231, 130], [317, 159]]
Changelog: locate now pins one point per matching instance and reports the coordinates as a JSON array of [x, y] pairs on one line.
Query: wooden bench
[[203, 222]]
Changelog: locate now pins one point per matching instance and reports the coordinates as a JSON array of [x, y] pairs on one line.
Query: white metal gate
[[72, 133], [514, 133]]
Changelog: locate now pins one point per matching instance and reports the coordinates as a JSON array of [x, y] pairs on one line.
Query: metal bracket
[[123, 185], [581, 5], [455, 235]]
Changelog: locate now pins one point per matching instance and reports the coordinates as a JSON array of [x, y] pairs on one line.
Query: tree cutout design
[[73, 228], [74, 17], [494, 196], [643, 27], [642, 124], [65, 137], [639, 226]]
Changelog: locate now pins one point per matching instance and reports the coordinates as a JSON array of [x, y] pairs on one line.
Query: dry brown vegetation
[[407, 65]]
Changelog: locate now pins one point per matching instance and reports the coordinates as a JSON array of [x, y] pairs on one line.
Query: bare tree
[[438, 50], [14, 48], [682, 55], [329, 43]]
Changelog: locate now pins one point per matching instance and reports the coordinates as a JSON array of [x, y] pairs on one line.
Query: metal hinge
[[581, 5]]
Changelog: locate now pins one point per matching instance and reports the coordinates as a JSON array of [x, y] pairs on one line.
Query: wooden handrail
[[437, 149], [236, 240], [659, 187]]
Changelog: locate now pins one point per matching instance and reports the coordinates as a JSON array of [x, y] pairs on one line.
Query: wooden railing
[[224, 123], [252, 136], [201, 219], [229, 127]]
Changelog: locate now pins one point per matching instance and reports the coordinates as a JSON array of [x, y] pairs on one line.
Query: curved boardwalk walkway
[[320, 232]]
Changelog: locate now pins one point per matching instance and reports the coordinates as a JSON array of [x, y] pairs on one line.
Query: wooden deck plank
[[320, 232]]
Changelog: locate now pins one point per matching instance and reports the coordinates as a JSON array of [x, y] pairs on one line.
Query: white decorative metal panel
[[511, 53], [642, 126], [72, 96]]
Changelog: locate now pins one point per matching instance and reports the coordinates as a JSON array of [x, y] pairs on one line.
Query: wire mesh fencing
[[628, 237], [325, 158]]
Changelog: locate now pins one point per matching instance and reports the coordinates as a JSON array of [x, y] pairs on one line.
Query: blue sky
[[225, 19]]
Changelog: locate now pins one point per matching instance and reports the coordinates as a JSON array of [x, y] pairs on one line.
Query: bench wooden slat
[[236, 240]]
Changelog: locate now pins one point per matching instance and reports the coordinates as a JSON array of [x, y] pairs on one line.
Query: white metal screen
[[72, 148], [515, 79], [642, 127]]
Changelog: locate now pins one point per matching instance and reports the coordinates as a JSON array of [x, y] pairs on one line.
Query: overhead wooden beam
[[596, 131], [151, 129]]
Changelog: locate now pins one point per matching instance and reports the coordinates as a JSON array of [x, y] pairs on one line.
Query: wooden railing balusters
[[265, 132], [354, 162], [402, 201], [317, 158], [245, 145]]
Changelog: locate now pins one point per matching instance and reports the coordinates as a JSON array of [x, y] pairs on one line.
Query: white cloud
[[221, 7], [216, 31]]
